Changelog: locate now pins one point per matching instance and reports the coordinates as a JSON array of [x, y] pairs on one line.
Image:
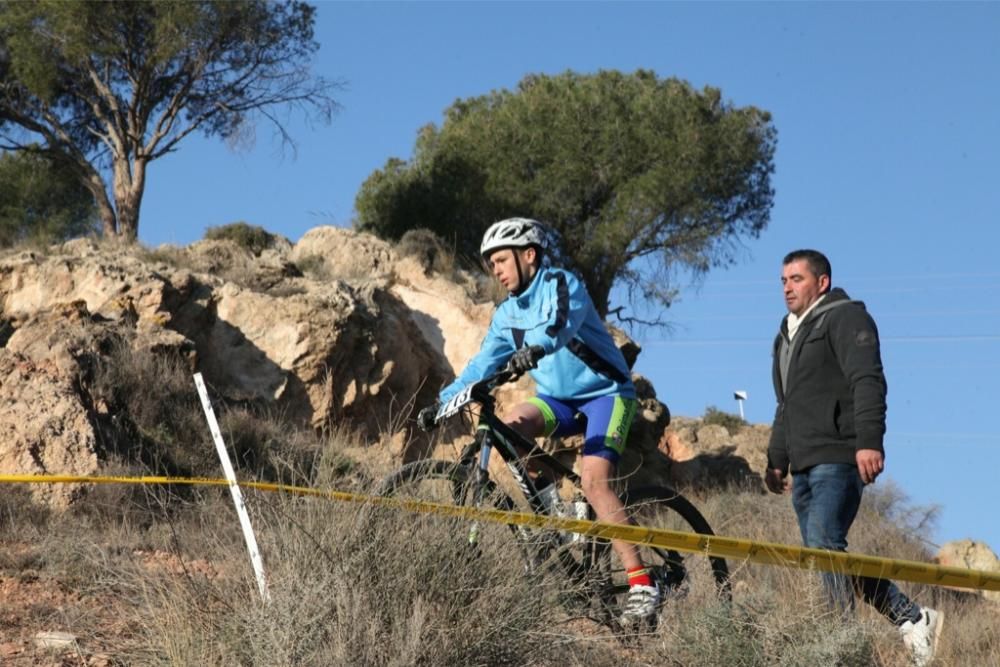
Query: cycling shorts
[[605, 422]]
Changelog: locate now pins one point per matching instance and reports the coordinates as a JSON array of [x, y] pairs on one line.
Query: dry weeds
[[157, 576]]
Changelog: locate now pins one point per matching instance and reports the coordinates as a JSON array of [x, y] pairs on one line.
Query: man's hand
[[524, 360], [425, 418], [776, 480], [870, 464]]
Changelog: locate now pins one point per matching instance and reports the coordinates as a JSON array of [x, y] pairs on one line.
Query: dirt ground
[[47, 623]]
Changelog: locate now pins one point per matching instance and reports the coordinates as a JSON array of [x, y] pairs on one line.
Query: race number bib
[[457, 402]]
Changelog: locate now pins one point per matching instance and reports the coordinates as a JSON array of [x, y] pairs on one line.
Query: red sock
[[639, 576]]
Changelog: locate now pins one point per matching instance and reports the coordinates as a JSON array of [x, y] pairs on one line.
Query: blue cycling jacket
[[581, 360]]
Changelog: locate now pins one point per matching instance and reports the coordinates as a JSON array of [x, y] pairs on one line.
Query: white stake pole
[[241, 510]]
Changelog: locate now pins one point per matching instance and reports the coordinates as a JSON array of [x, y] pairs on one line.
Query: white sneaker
[[921, 637], [640, 605], [551, 501], [556, 506]]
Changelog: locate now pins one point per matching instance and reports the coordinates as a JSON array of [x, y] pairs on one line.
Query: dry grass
[[160, 576], [789, 606], [165, 432], [429, 250], [349, 586], [436, 256], [352, 585]]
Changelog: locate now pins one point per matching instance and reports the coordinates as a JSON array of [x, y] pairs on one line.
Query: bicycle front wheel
[[449, 483]]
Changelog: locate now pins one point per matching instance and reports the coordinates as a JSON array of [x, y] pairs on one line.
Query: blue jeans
[[826, 499]]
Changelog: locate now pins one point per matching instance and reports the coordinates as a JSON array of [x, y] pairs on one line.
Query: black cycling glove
[[523, 360], [425, 418]]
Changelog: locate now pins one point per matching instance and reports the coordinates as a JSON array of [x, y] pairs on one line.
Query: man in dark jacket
[[828, 432]]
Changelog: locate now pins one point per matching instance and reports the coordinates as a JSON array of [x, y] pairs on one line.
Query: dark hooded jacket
[[830, 387]]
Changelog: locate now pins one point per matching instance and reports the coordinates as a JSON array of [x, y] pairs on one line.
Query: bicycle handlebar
[[480, 391]]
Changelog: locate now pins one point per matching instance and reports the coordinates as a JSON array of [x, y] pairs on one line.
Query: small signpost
[[740, 396]]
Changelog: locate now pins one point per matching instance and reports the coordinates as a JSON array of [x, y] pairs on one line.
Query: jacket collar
[[525, 297], [835, 298]]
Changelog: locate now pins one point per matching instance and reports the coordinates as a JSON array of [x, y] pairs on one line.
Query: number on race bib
[[457, 402]]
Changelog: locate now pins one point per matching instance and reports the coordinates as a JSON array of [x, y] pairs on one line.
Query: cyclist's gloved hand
[[524, 360], [425, 418]]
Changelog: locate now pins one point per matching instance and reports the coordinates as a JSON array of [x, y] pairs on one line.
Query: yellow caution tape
[[765, 553]]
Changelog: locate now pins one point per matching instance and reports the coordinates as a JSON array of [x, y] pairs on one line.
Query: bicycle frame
[[492, 434]]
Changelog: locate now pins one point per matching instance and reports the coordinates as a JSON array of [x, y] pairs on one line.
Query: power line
[[942, 339], [881, 315], [862, 278], [922, 289], [707, 342], [767, 341], [944, 436]]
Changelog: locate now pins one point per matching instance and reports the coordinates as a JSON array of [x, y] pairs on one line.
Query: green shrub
[[314, 267], [427, 248], [733, 423], [253, 238]]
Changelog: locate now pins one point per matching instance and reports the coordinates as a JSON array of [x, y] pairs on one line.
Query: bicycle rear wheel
[[695, 576], [449, 483]]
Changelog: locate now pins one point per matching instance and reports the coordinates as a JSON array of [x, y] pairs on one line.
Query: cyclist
[[583, 380]]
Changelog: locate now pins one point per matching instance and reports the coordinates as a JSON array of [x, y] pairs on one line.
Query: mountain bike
[[596, 581]]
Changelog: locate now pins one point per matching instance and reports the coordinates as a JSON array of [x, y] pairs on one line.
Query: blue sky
[[888, 136]]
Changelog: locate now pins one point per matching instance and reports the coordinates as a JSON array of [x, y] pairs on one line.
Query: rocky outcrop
[[715, 456], [340, 328], [973, 555], [54, 437], [45, 425], [322, 351], [447, 317], [343, 254]]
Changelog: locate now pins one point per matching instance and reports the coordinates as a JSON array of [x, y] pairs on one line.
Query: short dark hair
[[819, 265]]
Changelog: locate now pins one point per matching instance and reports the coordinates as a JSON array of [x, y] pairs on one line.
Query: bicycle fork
[[479, 485]]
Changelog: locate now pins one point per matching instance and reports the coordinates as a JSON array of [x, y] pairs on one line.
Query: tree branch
[[632, 321]]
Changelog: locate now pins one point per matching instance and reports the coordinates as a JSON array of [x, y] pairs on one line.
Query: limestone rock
[[345, 254], [45, 428], [447, 317], [320, 352], [112, 284], [54, 639], [709, 456], [973, 555]]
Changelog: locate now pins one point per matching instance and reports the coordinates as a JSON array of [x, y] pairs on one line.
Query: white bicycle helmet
[[514, 233]]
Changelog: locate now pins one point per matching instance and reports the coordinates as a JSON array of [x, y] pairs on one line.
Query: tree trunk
[[128, 216], [129, 186], [109, 222], [92, 180], [600, 293]]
